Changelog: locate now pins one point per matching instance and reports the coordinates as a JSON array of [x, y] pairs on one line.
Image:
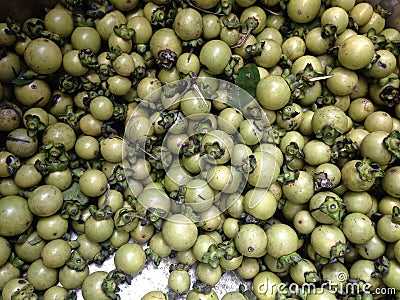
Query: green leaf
[[74, 194], [245, 90], [248, 78], [20, 81]]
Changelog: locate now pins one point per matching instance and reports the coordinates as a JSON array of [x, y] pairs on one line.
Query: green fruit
[[45, 200], [43, 56], [15, 216], [358, 228], [282, 240], [130, 258], [273, 92], [179, 232], [92, 286], [265, 285], [327, 240], [251, 240], [40, 276], [303, 11], [214, 56], [188, 24]]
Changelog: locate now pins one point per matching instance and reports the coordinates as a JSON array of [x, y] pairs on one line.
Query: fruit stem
[[293, 151], [328, 133], [382, 266], [291, 259], [213, 150], [76, 261], [312, 277], [338, 251], [396, 215], [288, 176], [368, 170], [110, 284], [392, 143], [333, 208]]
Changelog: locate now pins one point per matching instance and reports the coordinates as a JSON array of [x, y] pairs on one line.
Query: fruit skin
[[266, 171], [59, 21], [105, 24], [7, 273], [362, 13], [15, 285], [303, 11], [205, 4], [270, 55], [15, 216], [300, 190], [130, 258], [324, 237], [214, 56], [251, 240], [99, 230], [207, 274], [282, 240], [391, 183], [91, 287], [43, 56], [154, 295], [179, 232], [362, 270], [335, 16], [299, 271], [384, 66], [20, 144], [165, 39], [273, 92], [265, 285], [343, 82], [10, 115], [93, 183], [193, 295], [358, 228], [52, 227], [40, 276], [256, 13], [71, 279], [188, 24], [356, 52], [59, 133], [55, 292], [233, 296], [374, 148], [329, 115], [318, 200], [45, 200], [179, 281], [351, 177], [260, 203], [29, 251], [391, 279], [55, 253], [5, 250], [388, 230], [143, 29]]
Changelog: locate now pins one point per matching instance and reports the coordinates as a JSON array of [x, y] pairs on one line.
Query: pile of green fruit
[[255, 137]]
